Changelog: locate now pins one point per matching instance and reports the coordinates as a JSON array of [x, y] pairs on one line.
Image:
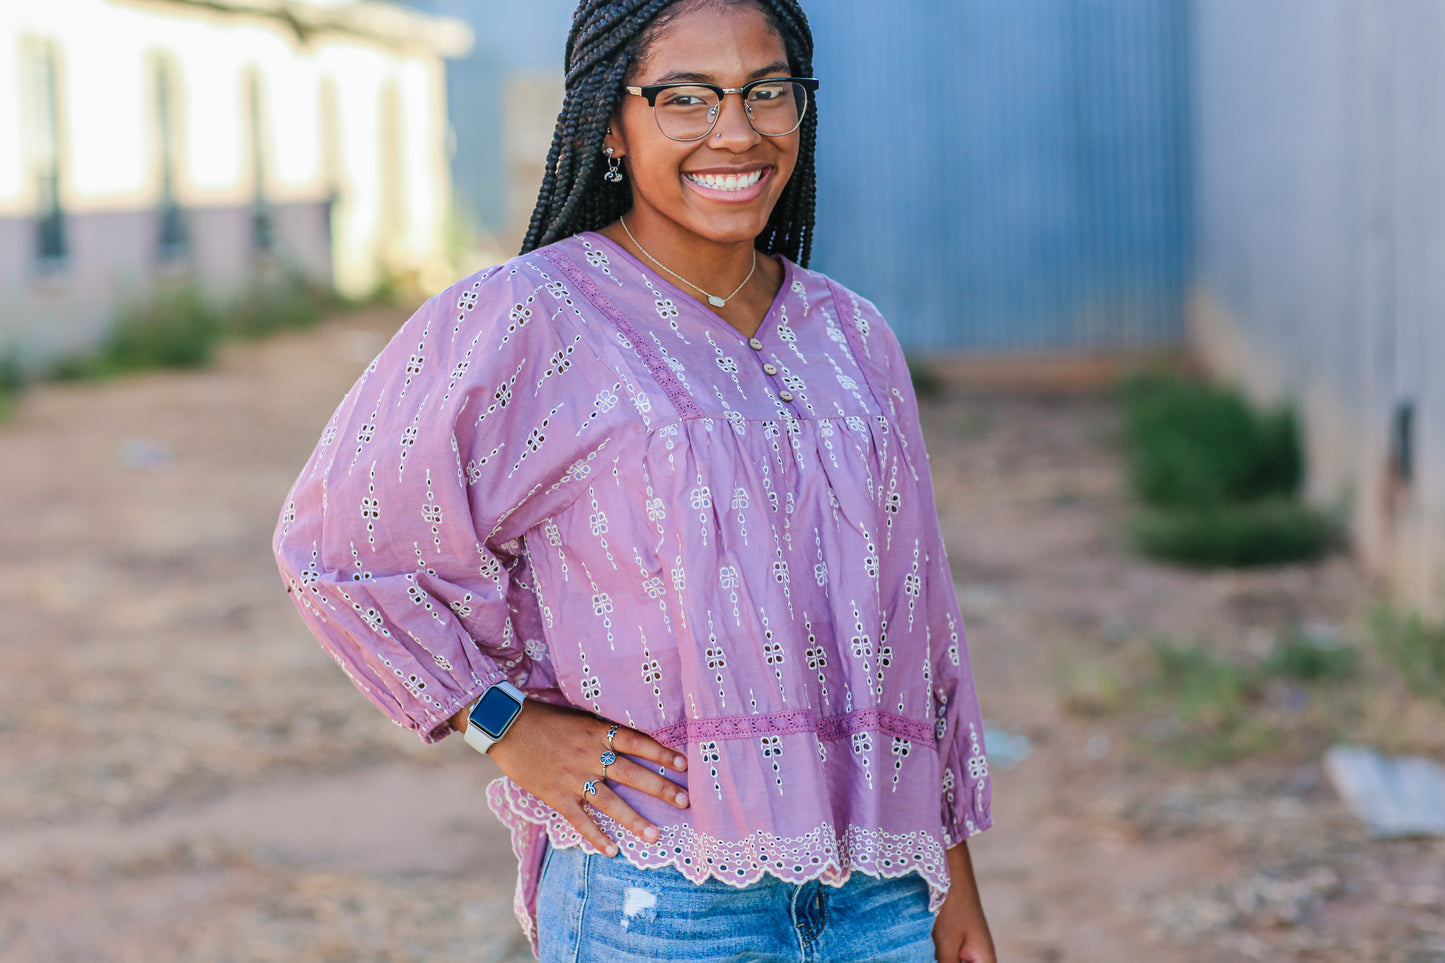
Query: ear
[[614, 138]]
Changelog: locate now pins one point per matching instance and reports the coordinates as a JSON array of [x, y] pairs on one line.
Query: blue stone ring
[[590, 787], [611, 734], [607, 759]]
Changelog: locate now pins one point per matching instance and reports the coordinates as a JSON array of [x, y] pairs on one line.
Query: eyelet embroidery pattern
[[535, 467]]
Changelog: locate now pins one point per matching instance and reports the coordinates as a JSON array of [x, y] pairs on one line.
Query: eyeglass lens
[[689, 113]]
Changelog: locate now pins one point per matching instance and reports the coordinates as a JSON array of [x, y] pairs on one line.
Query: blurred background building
[[1026, 162], [1075, 183], [1319, 274], [1048, 191], [225, 143]]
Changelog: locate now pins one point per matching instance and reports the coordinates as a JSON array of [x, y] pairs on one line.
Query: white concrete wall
[[111, 169], [1320, 249]]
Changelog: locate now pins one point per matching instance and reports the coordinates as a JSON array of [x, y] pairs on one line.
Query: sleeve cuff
[[441, 725]]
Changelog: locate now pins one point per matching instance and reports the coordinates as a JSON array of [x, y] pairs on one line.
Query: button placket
[[769, 369]]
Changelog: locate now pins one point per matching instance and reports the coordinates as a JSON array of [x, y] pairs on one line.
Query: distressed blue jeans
[[596, 909]]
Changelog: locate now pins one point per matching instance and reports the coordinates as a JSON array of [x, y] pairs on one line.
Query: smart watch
[[493, 715]]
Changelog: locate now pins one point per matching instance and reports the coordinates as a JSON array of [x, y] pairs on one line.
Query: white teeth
[[726, 182]]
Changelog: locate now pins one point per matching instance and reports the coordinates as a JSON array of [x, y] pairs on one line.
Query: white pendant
[[716, 301]]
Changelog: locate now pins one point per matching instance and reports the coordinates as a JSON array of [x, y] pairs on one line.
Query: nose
[[733, 130]]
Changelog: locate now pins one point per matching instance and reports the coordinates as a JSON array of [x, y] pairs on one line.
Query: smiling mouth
[[726, 182]]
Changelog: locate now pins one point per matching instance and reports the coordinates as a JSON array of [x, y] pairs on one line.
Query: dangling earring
[[613, 174]]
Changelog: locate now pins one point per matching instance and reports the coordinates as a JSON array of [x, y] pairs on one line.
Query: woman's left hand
[[960, 932]]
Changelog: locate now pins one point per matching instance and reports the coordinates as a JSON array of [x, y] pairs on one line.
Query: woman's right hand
[[552, 751]]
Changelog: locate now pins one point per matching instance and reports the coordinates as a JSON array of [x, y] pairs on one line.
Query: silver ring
[[607, 759], [590, 787], [611, 734]]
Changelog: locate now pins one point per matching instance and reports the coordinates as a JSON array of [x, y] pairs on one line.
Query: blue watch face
[[495, 712]]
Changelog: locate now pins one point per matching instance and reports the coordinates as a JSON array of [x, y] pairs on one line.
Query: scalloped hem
[[818, 854]]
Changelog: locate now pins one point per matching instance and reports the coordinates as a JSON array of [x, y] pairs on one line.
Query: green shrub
[[76, 367], [390, 291], [1274, 531], [180, 328], [265, 312], [1192, 444], [1207, 689], [12, 373], [926, 384], [1308, 658], [177, 329], [1219, 709], [1414, 647], [1220, 480], [12, 380]]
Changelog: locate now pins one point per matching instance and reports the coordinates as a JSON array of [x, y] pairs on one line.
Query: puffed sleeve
[[966, 789], [398, 541]]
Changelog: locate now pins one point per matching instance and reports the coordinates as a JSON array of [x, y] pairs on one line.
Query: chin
[[732, 235], [740, 226]]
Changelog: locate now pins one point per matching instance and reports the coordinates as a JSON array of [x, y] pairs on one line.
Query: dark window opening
[[171, 240], [51, 248], [1402, 442], [330, 154], [263, 228]]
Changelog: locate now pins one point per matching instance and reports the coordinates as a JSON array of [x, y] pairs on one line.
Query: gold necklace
[[712, 299]]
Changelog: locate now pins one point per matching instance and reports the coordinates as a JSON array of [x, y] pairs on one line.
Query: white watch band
[[475, 736]]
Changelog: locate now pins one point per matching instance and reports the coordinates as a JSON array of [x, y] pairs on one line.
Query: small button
[[771, 369], [785, 395], [757, 345]]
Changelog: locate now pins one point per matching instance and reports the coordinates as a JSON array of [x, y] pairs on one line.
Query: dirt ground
[[184, 774]]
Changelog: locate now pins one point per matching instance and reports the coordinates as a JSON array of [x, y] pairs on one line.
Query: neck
[[715, 266]]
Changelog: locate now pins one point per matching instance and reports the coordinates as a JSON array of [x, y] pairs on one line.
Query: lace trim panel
[[822, 853], [686, 406], [831, 728]]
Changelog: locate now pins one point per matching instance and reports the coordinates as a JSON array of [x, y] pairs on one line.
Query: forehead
[[716, 41]]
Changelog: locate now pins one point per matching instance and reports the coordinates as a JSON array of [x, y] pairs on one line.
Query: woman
[[646, 513]]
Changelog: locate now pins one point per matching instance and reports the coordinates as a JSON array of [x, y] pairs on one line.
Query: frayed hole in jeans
[[638, 903]]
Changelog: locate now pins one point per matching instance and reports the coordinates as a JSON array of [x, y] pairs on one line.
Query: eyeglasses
[[775, 106]]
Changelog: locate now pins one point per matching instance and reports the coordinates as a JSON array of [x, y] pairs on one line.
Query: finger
[[633, 743], [612, 804], [631, 774], [576, 814]]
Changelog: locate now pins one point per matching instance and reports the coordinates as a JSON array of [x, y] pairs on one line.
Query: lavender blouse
[[566, 472]]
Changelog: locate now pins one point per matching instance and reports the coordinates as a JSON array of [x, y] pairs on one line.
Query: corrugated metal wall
[[1007, 176], [512, 40], [1321, 245], [995, 175]]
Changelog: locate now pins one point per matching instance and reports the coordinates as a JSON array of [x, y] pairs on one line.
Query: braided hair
[[609, 38]]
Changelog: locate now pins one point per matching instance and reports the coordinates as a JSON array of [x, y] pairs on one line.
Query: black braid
[[607, 40]]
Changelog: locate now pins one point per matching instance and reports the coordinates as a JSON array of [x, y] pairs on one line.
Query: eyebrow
[[780, 67]]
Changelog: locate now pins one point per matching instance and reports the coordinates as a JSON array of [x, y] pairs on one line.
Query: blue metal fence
[[995, 175], [1007, 176]]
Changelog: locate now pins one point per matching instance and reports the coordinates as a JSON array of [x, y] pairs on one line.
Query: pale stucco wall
[[361, 120], [1320, 251]]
